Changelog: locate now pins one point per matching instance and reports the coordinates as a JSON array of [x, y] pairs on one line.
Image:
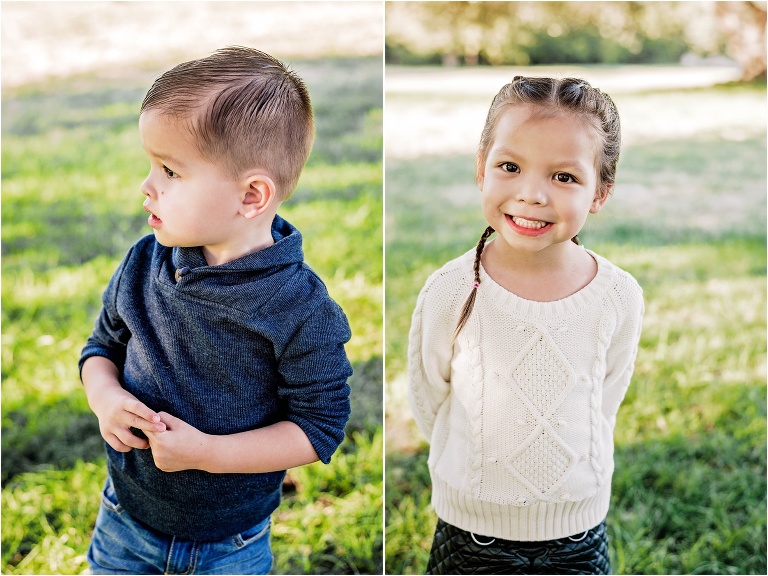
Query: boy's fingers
[[117, 444], [132, 441], [141, 410], [168, 420], [142, 417], [142, 424]]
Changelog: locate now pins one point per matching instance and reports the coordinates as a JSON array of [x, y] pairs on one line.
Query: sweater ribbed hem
[[539, 521]]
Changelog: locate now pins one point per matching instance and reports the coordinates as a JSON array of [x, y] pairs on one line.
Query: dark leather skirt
[[455, 551]]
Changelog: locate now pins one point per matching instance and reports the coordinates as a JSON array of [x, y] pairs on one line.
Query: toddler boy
[[217, 361]]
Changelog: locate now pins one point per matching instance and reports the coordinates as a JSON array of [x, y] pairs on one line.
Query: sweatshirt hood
[[246, 283], [285, 251]]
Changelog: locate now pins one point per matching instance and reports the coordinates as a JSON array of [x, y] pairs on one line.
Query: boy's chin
[[164, 240]]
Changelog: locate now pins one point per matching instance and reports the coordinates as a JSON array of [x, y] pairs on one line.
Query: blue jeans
[[120, 545]]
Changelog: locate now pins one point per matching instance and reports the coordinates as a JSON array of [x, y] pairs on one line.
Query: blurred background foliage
[[530, 33]]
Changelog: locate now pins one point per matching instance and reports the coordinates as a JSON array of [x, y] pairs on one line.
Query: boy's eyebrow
[[166, 158]]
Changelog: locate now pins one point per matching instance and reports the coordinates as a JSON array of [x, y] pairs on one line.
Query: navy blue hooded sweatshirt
[[227, 348]]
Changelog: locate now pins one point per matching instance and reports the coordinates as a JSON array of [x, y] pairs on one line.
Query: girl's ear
[[601, 197], [479, 171], [259, 194]]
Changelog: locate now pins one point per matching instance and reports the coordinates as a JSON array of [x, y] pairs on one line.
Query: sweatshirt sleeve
[[315, 370], [430, 348], [622, 349], [110, 334]]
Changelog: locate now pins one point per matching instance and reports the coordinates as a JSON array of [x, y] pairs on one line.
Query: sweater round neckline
[[586, 295]]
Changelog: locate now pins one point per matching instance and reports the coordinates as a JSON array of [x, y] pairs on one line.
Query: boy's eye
[[564, 178], [510, 167], [170, 173]]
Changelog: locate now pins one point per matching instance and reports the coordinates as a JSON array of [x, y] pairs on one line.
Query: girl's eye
[[564, 178], [510, 167], [170, 173]]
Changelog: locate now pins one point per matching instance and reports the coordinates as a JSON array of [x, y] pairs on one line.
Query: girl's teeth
[[528, 223]]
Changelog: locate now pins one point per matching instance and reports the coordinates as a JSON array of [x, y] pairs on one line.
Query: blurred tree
[[463, 29], [521, 33], [743, 24]]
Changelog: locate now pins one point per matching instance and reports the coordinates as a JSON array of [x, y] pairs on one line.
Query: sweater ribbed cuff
[[539, 521]]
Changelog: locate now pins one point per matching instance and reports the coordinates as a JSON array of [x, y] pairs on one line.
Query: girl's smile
[[528, 227]]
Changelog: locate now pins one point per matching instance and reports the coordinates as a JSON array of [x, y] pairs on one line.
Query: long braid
[[466, 310]]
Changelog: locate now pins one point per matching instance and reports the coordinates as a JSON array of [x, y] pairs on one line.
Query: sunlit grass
[[71, 172], [331, 524], [44, 516]]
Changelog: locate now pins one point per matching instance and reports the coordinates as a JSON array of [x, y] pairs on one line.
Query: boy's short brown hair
[[245, 110]]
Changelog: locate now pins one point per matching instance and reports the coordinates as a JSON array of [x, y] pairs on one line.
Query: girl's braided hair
[[551, 96], [466, 310]]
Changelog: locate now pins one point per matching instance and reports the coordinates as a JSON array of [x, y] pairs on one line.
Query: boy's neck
[[255, 238]]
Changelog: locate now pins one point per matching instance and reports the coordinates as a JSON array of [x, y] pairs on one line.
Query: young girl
[[522, 349]]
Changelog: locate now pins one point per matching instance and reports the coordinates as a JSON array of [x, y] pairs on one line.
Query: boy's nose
[[146, 188]]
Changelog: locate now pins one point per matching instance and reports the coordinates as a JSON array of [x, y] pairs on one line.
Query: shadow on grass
[[681, 503], [407, 473], [60, 434], [410, 519], [366, 397], [49, 436], [70, 233], [691, 504]]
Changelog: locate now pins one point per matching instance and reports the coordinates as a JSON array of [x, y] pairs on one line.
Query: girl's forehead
[[526, 121], [519, 115]]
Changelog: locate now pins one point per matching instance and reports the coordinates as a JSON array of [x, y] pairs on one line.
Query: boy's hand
[[117, 409], [180, 447]]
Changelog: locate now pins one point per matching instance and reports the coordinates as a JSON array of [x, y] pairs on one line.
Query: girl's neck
[[543, 276]]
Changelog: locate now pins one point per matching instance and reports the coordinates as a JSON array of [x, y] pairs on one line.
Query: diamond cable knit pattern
[[520, 409]]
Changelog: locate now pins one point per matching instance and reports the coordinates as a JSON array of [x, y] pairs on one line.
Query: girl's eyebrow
[[574, 165], [502, 151], [567, 164]]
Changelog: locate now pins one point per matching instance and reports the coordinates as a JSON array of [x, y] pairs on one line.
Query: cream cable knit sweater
[[520, 410]]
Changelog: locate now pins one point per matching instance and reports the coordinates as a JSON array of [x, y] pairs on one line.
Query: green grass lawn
[[72, 164], [688, 221]]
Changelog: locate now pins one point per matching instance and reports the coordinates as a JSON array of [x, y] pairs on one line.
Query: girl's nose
[[531, 192]]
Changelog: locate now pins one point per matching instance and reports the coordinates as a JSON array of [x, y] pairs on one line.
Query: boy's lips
[[528, 227], [153, 220]]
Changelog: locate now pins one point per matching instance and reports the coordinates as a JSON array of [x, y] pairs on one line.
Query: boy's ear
[[601, 197], [258, 195]]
